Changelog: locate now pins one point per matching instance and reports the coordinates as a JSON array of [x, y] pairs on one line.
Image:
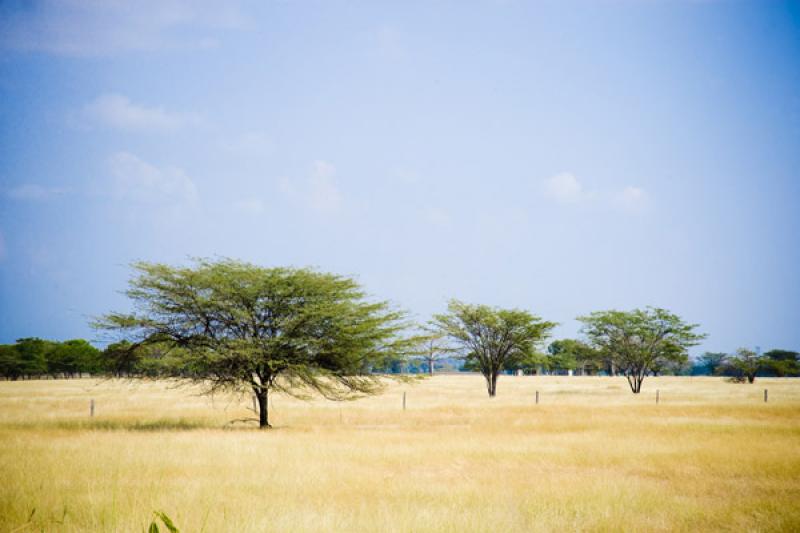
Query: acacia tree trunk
[[635, 381], [263, 413], [491, 382], [430, 366]]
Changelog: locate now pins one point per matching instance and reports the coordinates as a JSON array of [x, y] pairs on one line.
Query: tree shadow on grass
[[178, 424], [152, 425]]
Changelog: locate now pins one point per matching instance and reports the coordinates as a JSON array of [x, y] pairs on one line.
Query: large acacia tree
[[641, 341], [237, 326], [491, 339]]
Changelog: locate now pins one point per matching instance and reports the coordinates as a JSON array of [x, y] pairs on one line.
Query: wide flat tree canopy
[[241, 326]]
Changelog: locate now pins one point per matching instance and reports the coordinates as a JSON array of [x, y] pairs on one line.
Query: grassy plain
[[590, 456]]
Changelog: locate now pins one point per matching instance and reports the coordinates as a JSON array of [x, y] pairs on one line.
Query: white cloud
[[564, 188], [137, 180], [319, 191], [117, 111], [33, 191], [632, 199], [102, 27]]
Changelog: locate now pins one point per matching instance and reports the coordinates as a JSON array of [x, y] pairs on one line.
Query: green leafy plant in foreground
[[153, 528]]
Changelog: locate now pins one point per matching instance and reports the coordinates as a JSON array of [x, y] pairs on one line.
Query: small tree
[[243, 327], [746, 364], [572, 354], [433, 347], [713, 361], [531, 363], [560, 357], [640, 341], [491, 339]]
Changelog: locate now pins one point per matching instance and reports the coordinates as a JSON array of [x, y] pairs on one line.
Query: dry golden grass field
[[590, 456]]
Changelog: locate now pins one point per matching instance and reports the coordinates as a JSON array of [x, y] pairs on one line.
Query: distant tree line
[[35, 358], [746, 364]]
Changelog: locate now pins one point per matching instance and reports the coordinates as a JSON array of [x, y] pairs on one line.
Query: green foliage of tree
[[712, 362], [572, 354], [531, 363], [782, 363], [392, 365], [745, 365], [121, 358], [491, 339], [9, 362], [73, 357], [433, 347], [640, 341], [239, 326], [32, 356], [559, 357], [681, 367]]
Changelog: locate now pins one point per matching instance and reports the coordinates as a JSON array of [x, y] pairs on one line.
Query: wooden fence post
[[657, 391], [91, 407], [765, 395], [537, 397], [404, 400]]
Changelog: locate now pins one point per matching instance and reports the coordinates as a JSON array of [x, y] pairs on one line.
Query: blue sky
[[561, 157]]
